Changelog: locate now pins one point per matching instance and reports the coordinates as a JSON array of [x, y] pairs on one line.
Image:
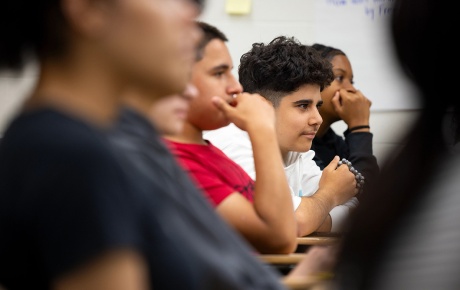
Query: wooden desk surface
[[319, 239], [288, 259], [324, 241], [306, 283]]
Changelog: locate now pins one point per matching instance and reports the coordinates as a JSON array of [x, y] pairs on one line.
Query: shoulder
[[48, 130], [226, 136], [60, 147]]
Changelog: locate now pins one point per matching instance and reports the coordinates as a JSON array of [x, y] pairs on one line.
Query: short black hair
[[30, 28], [210, 32], [281, 67], [328, 52]]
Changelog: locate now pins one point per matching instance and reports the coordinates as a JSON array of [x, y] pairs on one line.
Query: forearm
[[361, 155], [272, 199], [117, 270], [312, 215]]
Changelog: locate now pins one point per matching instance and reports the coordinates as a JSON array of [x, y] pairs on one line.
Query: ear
[[86, 17]]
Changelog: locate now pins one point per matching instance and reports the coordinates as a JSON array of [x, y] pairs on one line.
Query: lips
[[310, 135]]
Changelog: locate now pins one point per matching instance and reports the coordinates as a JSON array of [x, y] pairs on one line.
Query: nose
[[348, 86], [315, 119], [190, 92], [234, 86]]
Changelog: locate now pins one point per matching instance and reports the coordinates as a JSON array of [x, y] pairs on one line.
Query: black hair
[[417, 28], [281, 67], [30, 28], [328, 52], [34, 29], [210, 32]]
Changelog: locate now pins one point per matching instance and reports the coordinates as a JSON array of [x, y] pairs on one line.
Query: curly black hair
[[281, 67]]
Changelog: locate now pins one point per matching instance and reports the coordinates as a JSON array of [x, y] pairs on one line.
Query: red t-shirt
[[215, 173]]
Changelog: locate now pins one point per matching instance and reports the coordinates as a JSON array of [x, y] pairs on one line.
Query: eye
[[319, 105], [219, 74], [303, 106], [339, 78]]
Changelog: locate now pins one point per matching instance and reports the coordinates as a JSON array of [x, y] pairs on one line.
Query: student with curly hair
[[291, 76]]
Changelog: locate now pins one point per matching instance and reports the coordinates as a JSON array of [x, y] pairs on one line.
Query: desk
[[289, 259], [306, 283], [316, 240]]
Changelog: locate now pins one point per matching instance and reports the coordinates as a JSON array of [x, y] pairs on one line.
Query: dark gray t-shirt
[[67, 196], [218, 256]]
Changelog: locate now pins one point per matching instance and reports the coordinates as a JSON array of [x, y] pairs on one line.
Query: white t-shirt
[[302, 173]]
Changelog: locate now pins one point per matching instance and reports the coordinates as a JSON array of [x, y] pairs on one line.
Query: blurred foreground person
[[405, 236]]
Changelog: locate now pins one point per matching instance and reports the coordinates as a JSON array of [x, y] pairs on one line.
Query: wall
[[14, 88], [356, 26], [359, 27]]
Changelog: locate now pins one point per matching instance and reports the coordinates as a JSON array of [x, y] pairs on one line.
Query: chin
[[208, 126], [303, 148]]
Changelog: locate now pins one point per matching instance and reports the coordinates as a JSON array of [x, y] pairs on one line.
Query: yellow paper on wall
[[238, 6]]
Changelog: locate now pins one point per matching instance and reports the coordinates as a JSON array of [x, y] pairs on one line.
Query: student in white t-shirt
[[291, 76]]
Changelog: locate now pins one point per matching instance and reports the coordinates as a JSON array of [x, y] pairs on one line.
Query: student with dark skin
[[342, 101]]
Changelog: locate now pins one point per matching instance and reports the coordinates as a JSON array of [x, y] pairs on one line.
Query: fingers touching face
[[212, 76], [343, 79]]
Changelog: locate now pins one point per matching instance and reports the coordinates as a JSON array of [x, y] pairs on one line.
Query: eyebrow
[[306, 101], [221, 67]]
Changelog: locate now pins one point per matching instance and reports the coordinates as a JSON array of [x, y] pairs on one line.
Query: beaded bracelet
[[349, 130], [359, 177]]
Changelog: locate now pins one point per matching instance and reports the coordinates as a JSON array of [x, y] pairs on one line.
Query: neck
[[190, 134], [86, 90], [284, 155], [139, 101]]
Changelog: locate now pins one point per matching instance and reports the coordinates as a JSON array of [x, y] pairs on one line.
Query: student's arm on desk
[[317, 212], [271, 212]]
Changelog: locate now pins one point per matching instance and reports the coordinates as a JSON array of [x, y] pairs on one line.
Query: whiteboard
[[358, 27]]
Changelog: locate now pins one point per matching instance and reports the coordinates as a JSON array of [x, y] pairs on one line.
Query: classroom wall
[[352, 25]]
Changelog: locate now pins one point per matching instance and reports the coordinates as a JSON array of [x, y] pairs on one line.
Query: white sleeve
[[340, 214], [311, 174], [296, 201], [235, 143]]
